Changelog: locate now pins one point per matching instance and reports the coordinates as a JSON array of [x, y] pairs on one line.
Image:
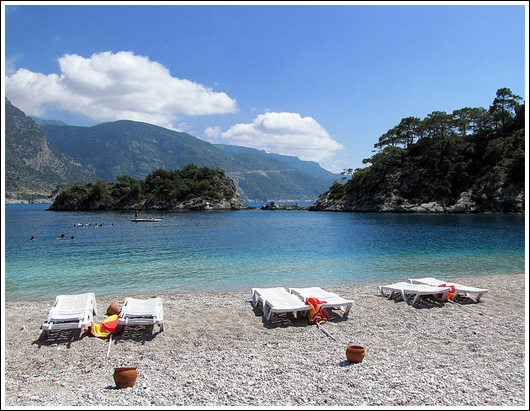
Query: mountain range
[[33, 166], [104, 151]]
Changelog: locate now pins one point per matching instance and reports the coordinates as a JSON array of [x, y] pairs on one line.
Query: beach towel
[[316, 310], [103, 330], [450, 294]]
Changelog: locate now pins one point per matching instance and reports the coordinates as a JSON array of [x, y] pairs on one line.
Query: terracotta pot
[[355, 353], [113, 309], [125, 376]]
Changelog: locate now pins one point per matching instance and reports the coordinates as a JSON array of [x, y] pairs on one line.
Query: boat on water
[[145, 220]]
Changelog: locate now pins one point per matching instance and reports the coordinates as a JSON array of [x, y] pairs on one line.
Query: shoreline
[[217, 350], [464, 278]]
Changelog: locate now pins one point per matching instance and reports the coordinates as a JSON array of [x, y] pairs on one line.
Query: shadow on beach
[[59, 337], [137, 333], [289, 319], [425, 302]]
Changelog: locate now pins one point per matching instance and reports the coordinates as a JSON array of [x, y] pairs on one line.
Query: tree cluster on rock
[[191, 188], [471, 160]]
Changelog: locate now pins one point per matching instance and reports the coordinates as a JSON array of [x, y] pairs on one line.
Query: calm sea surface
[[189, 252]]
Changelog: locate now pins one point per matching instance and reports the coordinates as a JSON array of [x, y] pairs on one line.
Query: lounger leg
[[405, 297], [254, 300], [415, 299], [347, 311], [478, 297], [161, 325], [266, 313]]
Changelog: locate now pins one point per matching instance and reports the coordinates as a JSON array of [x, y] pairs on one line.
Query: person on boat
[[135, 213]]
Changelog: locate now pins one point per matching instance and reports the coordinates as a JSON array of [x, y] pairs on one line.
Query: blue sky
[[321, 82]]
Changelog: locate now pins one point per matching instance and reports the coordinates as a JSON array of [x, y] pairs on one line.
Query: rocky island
[[272, 205], [189, 189]]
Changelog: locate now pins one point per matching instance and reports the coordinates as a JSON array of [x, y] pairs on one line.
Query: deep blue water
[[188, 252]]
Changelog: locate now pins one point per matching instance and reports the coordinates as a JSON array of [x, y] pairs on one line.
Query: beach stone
[[217, 351]]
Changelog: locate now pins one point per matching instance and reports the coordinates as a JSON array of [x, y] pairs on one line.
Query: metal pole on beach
[[110, 340]]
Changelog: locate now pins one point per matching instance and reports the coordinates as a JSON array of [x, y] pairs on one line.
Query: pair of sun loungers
[[279, 300], [429, 286], [77, 312]]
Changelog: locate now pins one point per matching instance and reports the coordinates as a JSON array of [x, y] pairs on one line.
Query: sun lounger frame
[[277, 300], [459, 288], [141, 312], [332, 300], [71, 311], [417, 290]]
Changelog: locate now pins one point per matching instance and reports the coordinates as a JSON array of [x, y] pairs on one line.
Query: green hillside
[[307, 168], [136, 149], [33, 166]]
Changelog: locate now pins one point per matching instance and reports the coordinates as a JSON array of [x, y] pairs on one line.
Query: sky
[[319, 81]]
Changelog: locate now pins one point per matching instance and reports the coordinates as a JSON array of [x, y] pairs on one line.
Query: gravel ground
[[217, 350]]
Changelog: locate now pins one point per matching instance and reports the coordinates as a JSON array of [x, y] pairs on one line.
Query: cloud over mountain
[[112, 86], [282, 133]]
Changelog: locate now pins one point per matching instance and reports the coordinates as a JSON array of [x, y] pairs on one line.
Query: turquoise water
[[188, 252]]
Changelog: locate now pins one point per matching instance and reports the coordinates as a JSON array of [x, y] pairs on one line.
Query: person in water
[[62, 236], [32, 238]]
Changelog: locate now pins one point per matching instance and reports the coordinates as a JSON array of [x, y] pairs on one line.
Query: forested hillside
[[470, 160]]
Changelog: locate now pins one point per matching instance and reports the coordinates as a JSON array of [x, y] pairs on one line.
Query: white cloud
[[108, 87], [281, 133], [10, 64], [213, 133]]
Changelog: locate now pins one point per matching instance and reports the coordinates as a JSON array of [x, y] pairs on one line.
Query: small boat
[[145, 220]]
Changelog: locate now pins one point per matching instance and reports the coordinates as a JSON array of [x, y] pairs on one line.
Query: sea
[[216, 251]]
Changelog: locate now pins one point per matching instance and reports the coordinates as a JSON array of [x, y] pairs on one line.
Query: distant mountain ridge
[[42, 122], [309, 168], [133, 148]]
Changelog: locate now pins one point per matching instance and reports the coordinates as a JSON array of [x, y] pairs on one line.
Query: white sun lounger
[[459, 288], [141, 312], [277, 300], [71, 312], [415, 289], [332, 300]]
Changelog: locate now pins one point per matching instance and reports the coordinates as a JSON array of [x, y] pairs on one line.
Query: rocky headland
[[491, 194]]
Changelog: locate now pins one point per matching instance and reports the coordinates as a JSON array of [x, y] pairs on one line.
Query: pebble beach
[[217, 350]]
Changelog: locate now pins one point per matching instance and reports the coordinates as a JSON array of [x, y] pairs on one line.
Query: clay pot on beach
[[355, 353], [125, 376], [113, 309]]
